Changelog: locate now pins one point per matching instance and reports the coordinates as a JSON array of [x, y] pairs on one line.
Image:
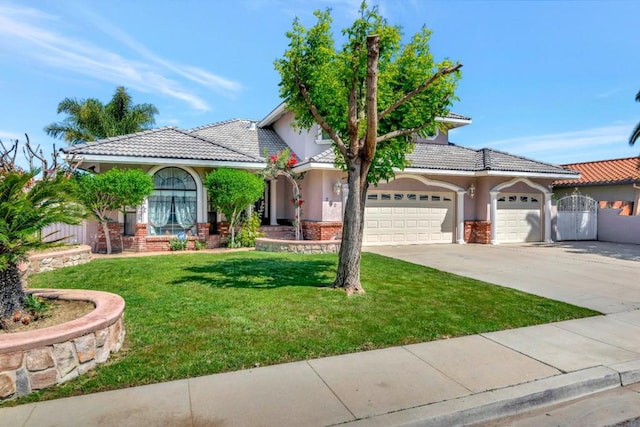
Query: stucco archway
[[546, 211], [460, 192]]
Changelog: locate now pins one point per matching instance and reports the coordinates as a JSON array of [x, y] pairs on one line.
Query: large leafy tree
[[29, 201], [89, 119], [371, 97], [232, 191], [111, 191], [635, 135]]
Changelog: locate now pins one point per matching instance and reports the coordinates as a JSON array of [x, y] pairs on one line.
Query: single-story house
[[448, 193], [612, 183]]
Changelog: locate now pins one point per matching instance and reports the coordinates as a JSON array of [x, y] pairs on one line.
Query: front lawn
[[195, 314]]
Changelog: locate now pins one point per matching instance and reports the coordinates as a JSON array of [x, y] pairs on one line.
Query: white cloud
[[30, 33], [596, 143], [608, 93]]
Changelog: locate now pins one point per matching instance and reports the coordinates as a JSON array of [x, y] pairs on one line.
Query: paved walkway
[[449, 382]]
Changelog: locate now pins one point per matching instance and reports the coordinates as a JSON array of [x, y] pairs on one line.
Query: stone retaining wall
[[40, 358], [46, 261], [298, 246]]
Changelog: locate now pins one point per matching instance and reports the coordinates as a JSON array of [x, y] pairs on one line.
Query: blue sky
[[551, 80]]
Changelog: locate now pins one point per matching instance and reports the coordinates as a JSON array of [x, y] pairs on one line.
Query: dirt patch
[[59, 311]]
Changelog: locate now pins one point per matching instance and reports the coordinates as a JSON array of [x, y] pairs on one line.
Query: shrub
[[35, 306], [178, 244], [249, 230]]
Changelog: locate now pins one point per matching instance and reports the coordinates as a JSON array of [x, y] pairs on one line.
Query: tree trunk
[[107, 236], [11, 293], [348, 274]]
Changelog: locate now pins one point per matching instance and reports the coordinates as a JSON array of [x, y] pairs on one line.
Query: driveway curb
[[503, 402]]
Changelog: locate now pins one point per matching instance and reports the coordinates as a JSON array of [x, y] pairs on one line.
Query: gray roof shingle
[[166, 142], [241, 135], [453, 157], [457, 116]]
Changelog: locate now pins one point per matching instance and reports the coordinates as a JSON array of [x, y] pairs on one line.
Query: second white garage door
[[518, 218], [408, 217]]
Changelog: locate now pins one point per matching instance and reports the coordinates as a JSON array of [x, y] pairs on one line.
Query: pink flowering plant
[[282, 164]]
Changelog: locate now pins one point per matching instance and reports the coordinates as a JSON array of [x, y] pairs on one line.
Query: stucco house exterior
[[448, 193], [612, 183]]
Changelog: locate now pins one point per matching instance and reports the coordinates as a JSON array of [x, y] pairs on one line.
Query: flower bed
[[298, 246], [40, 358]]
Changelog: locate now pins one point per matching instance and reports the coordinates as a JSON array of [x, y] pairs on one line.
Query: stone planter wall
[[298, 246], [37, 359], [46, 261]]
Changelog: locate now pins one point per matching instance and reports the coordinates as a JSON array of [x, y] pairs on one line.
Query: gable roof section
[[242, 135], [451, 157], [161, 143], [604, 172]]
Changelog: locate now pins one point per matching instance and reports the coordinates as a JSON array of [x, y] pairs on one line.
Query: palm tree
[[27, 205], [636, 130], [89, 119]]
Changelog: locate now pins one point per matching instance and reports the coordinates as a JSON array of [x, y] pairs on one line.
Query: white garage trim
[[394, 217], [546, 213]]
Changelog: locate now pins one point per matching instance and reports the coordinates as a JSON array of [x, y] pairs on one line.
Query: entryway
[[577, 218]]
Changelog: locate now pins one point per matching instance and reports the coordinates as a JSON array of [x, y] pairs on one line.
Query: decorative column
[[460, 217], [547, 217], [273, 220], [494, 216]]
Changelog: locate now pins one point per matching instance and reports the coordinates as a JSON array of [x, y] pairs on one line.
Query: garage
[[518, 218], [408, 217]]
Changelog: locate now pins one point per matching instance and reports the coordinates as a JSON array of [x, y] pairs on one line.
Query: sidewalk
[[450, 382]]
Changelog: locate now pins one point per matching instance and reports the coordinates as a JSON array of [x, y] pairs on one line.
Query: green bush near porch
[[195, 314]]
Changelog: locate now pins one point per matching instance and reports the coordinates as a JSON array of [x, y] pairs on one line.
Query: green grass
[[195, 314]]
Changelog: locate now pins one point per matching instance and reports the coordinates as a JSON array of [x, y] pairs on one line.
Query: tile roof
[[457, 116], [166, 142], [243, 135], [604, 172], [436, 156]]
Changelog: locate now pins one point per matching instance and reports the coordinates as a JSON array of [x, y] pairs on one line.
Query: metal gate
[[577, 218]]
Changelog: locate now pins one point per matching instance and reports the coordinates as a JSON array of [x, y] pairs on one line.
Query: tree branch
[[318, 117], [399, 133], [441, 72], [373, 53]]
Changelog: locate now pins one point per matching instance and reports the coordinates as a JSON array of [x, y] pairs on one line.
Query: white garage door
[[408, 217], [518, 218]]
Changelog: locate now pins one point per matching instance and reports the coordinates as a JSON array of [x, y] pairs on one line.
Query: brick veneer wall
[[477, 232], [322, 230], [142, 242], [116, 230]]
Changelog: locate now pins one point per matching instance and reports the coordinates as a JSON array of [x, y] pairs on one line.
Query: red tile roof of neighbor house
[[604, 172]]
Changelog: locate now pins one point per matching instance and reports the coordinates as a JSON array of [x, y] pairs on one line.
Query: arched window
[[173, 205]]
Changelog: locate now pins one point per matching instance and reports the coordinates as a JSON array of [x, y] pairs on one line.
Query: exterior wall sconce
[[337, 188], [471, 191]]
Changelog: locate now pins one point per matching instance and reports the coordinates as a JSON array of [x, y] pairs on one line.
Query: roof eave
[[544, 175], [170, 161], [453, 123], [273, 116]]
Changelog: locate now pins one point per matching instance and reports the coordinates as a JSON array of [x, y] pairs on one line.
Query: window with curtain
[[173, 204]]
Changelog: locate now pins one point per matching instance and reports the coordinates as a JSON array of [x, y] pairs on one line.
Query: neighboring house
[[615, 186], [612, 183], [448, 193]]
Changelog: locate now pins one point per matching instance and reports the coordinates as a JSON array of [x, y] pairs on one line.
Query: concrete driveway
[[598, 275]]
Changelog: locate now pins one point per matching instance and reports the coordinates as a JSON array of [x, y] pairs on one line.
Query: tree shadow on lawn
[[269, 273]]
